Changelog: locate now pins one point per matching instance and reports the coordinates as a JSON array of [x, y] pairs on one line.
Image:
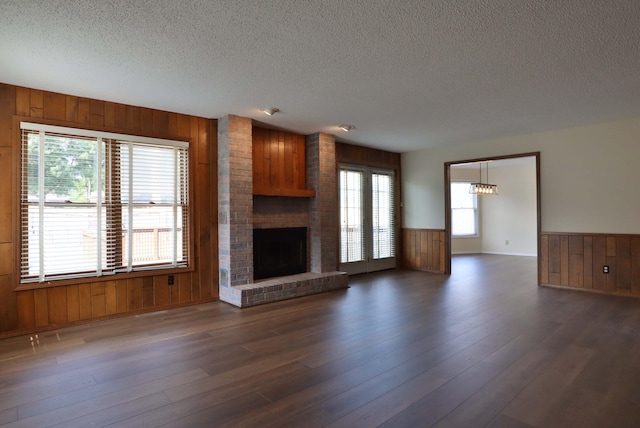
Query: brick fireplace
[[240, 212]]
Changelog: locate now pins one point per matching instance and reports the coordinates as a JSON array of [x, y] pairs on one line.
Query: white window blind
[[352, 233], [96, 203], [383, 216]]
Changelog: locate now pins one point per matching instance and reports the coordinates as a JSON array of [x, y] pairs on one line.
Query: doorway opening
[[510, 215]]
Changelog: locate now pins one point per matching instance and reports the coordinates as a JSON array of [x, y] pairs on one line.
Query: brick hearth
[[240, 211]]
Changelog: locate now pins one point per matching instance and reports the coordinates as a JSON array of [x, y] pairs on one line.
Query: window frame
[[476, 211], [85, 129]]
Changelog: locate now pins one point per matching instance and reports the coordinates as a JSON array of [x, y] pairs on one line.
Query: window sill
[[105, 278]]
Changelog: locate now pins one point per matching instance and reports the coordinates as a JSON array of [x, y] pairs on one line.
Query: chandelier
[[481, 188]]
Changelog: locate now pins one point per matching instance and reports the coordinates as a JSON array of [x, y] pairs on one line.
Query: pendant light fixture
[[483, 189]]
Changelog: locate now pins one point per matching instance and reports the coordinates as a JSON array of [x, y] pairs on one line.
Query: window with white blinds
[[352, 232], [382, 214], [464, 210], [94, 203]]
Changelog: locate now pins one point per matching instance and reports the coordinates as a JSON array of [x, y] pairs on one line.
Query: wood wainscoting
[[48, 307], [423, 249], [576, 260]]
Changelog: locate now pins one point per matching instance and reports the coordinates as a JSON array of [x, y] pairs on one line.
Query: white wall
[[589, 177], [509, 220]]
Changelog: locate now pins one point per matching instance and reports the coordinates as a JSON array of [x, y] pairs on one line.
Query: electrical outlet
[[506, 242], [605, 269], [171, 279]]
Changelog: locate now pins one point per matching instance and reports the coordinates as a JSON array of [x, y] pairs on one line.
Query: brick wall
[[235, 202], [271, 212], [323, 209]]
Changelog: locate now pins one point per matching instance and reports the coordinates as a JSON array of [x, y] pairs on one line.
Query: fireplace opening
[[279, 252]]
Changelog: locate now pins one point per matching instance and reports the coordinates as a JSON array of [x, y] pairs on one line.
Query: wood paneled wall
[[279, 163], [423, 249], [576, 260], [52, 306], [348, 153]]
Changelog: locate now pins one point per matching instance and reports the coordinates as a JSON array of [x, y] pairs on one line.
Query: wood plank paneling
[[134, 294], [576, 270], [587, 262], [84, 111], [98, 300], [120, 113], [205, 190], [183, 281], [201, 140], [161, 290], [423, 249], [184, 129], [8, 305], [121, 296], [544, 259], [41, 307], [96, 112], [36, 103], [73, 303], [7, 110], [208, 278], [133, 118], [55, 106], [22, 101], [564, 260], [279, 163], [146, 120], [611, 276], [109, 115], [71, 109], [576, 244], [26, 310], [174, 292], [554, 254], [147, 292], [635, 265], [349, 153], [6, 178], [84, 301], [586, 255], [57, 305], [599, 260], [623, 262], [160, 122], [111, 297]]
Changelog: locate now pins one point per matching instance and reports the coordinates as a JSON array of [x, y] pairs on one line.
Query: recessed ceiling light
[[270, 111], [346, 128]]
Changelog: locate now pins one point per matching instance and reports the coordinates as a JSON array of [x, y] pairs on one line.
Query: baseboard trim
[[499, 253]]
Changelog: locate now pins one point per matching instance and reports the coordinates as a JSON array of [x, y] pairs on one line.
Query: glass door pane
[[382, 215], [352, 248]]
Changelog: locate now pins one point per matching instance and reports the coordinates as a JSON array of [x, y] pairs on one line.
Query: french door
[[367, 219]]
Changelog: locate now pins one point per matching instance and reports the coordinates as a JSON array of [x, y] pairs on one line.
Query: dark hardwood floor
[[483, 347]]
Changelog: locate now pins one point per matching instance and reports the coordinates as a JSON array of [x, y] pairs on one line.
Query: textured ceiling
[[408, 74]]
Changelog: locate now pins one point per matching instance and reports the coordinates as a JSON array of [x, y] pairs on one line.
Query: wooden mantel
[[279, 164]]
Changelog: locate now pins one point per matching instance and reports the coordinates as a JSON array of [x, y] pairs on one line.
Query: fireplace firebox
[[279, 252]]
